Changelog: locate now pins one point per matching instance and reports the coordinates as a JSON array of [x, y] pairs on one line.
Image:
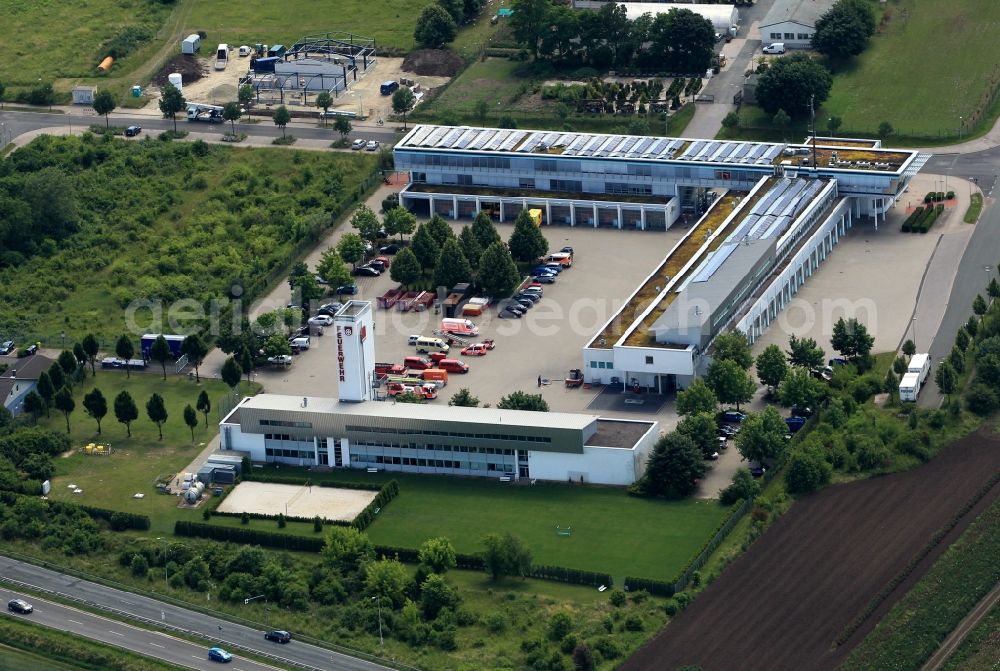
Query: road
[[228, 634], [967, 624], [154, 644]]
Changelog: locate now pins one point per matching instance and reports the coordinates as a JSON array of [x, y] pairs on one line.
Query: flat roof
[[423, 411], [622, 434], [798, 11], [714, 13]]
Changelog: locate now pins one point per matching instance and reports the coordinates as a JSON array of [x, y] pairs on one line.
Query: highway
[[226, 634]]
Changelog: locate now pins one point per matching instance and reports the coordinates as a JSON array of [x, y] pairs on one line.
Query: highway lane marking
[[116, 633], [74, 622], [157, 645]]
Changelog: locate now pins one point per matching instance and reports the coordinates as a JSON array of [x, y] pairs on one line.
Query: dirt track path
[[956, 637]]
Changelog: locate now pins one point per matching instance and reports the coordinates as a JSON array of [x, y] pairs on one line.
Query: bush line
[[118, 520]]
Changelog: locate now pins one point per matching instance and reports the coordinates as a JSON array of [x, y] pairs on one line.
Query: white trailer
[[191, 44], [909, 387], [199, 112], [222, 57], [921, 365]]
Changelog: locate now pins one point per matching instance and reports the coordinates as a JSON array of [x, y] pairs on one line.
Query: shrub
[[671, 608], [560, 625], [617, 598], [981, 399], [633, 623], [608, 647]]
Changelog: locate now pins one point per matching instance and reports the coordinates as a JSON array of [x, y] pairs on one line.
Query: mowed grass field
[[611, 531], [110, 481], [390, 22], [933, 64]]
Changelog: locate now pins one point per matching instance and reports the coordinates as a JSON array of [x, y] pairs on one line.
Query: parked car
[[417, 363], [132, 131], [511, 312], [453, 365], [7, 347], [567, 250], [544, 279], [801, 411], [280, 360], [19, 606], [733, 417], [320, 281], [838, 361], [278, 636], [528, 296], [30, 349], [365, 271], [347, 289], [533, 290], [389, 249], [727, 431], [544, 270], [372, 145], [475, 349], [358, 144], [776, 48], [330, 309], [219, 655], [711, 456], [795, 423], [524, 302], [321, 320], [756, 469]]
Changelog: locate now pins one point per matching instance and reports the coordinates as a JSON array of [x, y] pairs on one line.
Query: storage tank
[[194, 493], [177, 80], [106, 64]]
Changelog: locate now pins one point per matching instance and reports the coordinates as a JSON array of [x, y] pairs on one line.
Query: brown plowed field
[[783, 603]]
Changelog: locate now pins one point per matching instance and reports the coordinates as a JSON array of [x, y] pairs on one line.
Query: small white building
[[723, 17], [793, 22], [84, 95], [191, 44]]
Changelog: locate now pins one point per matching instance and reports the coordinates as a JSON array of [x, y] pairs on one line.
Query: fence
[[720, 535]]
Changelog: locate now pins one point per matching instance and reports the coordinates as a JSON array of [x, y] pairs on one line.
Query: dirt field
[[784, 602], [295, 501]]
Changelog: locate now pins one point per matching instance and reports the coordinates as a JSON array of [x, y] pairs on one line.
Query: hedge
[[118, 520], [922, 218], [721, 531], [657, 587]]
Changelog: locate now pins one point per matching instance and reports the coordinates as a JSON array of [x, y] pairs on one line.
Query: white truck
[[199, 112], [921, 365], [909, 387], [222, 57]]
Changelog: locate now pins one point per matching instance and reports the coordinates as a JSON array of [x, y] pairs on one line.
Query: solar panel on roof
[[588, 149], [481, 139], [418, 135], [772, 153], [512, 140], [693, 149], [640, 147], [779, 225], [435, 137], [496, 140], [465, 139], [451, 137], [714, 262]]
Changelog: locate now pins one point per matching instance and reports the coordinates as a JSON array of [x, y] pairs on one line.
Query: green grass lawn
[[931, 66], [12, 659], [612, 532], [110, 482]]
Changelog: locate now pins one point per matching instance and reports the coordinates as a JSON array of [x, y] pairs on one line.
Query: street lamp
[[961, 126], [247, 601], [166, 570], [378, 601]]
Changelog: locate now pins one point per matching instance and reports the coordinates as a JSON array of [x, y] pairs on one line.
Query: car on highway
[[278, 636], [219, 655], [321, 320], [132, 131], [7, 347], [19, 606], [358, 144]]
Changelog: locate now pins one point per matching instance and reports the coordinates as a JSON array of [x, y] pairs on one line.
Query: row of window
[[602, 364], [628, 189], [451, 434], [280, 422], [290, 454], [436, 448], [791, 36], [363, 458], [482, 162]]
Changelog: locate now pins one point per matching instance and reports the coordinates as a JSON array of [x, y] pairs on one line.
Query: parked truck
[[173, 341], [909, 387], [209, 113], [921, 365]]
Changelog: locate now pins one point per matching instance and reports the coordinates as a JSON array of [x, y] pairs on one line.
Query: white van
[[300, 343], [412, 340], [425, 345], [776, 48]]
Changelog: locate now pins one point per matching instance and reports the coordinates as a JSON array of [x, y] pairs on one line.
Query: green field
[[980, 651], [612, 532], [110, 482], [930, 66], [12, 659]]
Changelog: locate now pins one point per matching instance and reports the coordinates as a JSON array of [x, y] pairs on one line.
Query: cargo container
[[191, 44], [174, 341]]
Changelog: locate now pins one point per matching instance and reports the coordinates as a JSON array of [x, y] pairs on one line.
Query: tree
[[981, 399], [281, 118], [482, 110], [247, 363], [331, 267], [171, 102], [505, 555], [844, 30], [674, 468], [464, 399], [196, 350], [125, 351], [399, 221], [801, 389], [245, 96], [156, 410], [347, 549], [91, 347], [65, 404], [96, 406], [303, 283], [455, 9], [126, 411], [682, 40], [470, 246], [191, 419], [583, 658], [58, 376], [351, 249], [276, 345], [232, 113], [733, 346], [387, 579], [781, 119], [437, 554], [204, 405], [405, 268], [35, 405], [403, 101], [730, 382], [529, 21], [45, 389], [961, 339], [833, 123], [885, 129], [993, 289], [957, 359], [762, 436], [80, 355], [789, 83], [231, 373], [484, 230], [527, 242], [435, 28], [69, 364], [452, 267], [697, 398], [972, 326], [104, 104], [771, 366], [807, 471], [979, 305], [323, 101], [945, 378], [439, 230], [909, 348], [435, 595], [425, 247], [519, 400], [160, 351], [366, 223], [701, 429], [342, 125], [851, 339], [498, 274], [743, 486]]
